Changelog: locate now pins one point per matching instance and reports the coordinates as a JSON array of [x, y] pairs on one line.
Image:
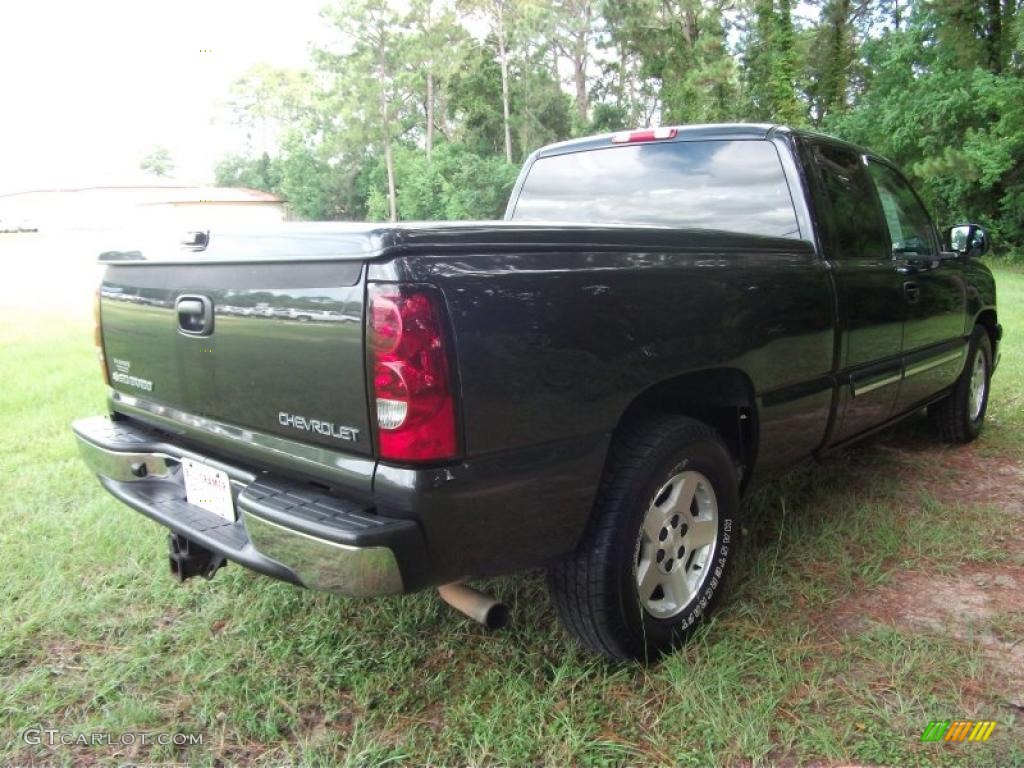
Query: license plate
[[208, 488]]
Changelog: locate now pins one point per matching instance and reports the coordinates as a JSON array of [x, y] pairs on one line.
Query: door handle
[[195, 315], [912, 292]]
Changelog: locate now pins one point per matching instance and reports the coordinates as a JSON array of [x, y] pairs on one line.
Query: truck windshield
[[735, 185]]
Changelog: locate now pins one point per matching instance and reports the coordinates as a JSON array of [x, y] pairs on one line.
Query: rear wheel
[[960, 415], [660, 542]]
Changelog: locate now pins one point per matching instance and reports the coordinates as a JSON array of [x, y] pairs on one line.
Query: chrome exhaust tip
[[481, 608]]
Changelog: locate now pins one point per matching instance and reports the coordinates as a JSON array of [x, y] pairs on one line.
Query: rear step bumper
[[286, 530]]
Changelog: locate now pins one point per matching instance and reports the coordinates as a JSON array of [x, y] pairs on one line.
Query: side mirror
[[969, 240]]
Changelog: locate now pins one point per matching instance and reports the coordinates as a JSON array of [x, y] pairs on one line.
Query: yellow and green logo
[[958, 730]]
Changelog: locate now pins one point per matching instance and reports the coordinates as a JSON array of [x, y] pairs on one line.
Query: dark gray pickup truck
[[665, 319]]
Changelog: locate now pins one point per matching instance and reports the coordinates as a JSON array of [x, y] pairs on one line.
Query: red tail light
[[412, 387]]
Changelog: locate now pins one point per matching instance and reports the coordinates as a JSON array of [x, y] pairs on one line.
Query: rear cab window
[[735, 185]]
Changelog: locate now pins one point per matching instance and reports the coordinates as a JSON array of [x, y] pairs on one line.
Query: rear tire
[[960, 416], [659, 545]]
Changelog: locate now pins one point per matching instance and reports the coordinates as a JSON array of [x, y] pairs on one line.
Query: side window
[[910, 230], [853, 216]]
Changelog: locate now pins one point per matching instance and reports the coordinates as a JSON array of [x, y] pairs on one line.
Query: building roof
[[217, 195], [163, 194]]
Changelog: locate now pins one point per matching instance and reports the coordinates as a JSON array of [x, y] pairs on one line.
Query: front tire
[[661, 539], [959, 417]]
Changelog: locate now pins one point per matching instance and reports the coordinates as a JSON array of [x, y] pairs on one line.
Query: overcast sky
[[87, 88]]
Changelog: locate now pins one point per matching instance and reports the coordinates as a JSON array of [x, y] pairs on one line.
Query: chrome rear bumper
[[283, 529], [327, 565]]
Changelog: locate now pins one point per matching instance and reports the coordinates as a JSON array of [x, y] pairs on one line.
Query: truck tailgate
[[280, 352]]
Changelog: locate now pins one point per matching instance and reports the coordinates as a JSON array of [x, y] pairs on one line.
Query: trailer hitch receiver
[[189, 559]]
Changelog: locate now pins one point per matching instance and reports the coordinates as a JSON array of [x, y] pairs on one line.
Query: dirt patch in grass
[[960, 473], [979, 604], [970, 606], [996, 483], [961, 605], [974, 479]]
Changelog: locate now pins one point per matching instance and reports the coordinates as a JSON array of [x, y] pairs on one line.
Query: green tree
[[770, 64], [540, 112], [624, 92], [261, 172], [471, 105], [682, 46], [371, 88], [266, 100], [420, 113], [943, 106], [454, 183], [573, 38], [434, 52], [830, 59], [157, 162], [500, 16]]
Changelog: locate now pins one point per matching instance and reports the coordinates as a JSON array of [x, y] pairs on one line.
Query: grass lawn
[[878, 590]]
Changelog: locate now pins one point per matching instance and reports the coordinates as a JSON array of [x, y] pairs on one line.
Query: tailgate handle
[[195, 315], [196, 241]]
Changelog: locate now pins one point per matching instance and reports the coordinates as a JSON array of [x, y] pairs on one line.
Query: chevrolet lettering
[[121, 374], [320, 427], [131, 381], [664, 321]]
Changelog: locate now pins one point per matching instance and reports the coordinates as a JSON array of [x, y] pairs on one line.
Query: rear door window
[[854, 220], [734, 185]]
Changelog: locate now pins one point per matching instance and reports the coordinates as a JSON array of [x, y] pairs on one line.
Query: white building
[[160, 206], [55, 266]]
